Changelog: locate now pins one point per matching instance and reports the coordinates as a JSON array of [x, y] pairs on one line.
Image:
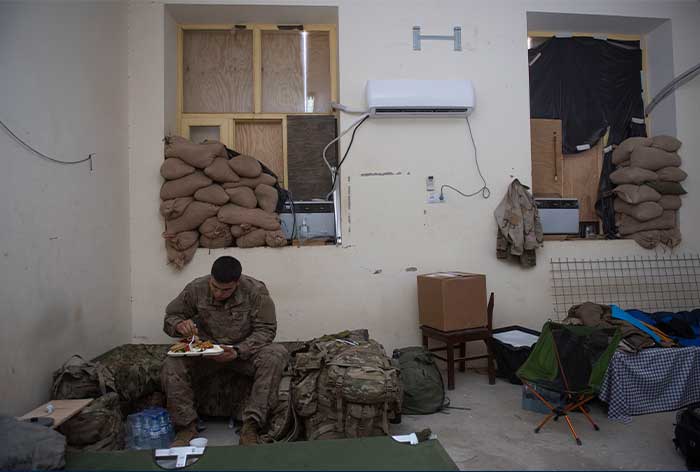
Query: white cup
[[199, 442]]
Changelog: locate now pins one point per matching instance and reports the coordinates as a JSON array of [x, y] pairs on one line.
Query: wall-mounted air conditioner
[[425, 98]]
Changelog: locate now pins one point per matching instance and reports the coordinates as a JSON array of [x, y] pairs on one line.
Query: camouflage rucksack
[[81, 379], [98, 427], [345, 389]]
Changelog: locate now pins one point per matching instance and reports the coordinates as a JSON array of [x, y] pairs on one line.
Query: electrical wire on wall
[[484, 191], [334, 171], [41, 154]]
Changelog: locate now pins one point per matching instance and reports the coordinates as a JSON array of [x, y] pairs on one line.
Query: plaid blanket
[[651, 381]]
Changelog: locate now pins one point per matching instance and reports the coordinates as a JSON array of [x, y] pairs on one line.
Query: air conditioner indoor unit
[[424, 98]]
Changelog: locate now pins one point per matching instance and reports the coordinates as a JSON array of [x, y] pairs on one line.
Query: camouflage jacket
[[246, 320]]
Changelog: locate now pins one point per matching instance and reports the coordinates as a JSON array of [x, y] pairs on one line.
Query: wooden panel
[[547, 166], [282, 72], [199, 128], [63, 410], [199, 134], [581, 177], [218, 71], [319, 71], [308, 175], [263, 141]]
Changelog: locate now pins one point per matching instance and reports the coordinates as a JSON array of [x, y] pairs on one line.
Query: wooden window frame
[[227, 121]]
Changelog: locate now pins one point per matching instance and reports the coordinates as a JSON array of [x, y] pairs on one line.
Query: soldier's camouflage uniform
[[247, 321]]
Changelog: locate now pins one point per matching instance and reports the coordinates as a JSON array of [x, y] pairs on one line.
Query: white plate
[[214, 351]]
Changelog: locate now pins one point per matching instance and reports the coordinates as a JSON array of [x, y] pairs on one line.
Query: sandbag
[[236, 215], [213, 193], [267, 197], [671, 174], [215, 234], [221, 171], [98, 427], [650, 239], [194, 215], [628, 225], [670, 202], [182, 241], [635, 194], [173, 208], [667, 188], [275, 238], [242, 196], [255, 238], [245, 166], [239, 230], [641, 212], [654, 158], [665, 142], [30, 446], [179, 258], [632, 175], [196, 155], [216, 243], [624, 150], [78, 378], [185, 186], [266, 179], [174, 168]]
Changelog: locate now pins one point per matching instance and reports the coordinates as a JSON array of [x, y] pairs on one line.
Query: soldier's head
[[225, 273]]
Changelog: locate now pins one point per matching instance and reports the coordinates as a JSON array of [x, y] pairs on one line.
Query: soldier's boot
[[185, 435], [249, 433]]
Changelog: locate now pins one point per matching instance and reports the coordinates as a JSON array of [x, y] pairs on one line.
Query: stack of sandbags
[[647, 195], [211, 201]]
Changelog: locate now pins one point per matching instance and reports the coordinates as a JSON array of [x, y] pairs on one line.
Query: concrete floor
[[497, 434]]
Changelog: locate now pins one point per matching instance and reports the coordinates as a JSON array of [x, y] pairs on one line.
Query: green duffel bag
[[423, 388]]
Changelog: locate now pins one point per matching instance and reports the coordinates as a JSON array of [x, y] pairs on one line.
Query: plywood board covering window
[[218, 71], [295, 72], [262, 139]]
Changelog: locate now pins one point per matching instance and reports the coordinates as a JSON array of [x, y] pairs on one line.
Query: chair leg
[[462, 354], [450, 366], [544, 422], [573, 431], [588, 417], [425, 342], [491, 368]]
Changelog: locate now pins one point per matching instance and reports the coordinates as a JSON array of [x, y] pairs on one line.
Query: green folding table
[[375, 453]]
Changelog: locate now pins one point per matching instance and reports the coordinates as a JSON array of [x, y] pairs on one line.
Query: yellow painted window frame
[[226, 121]]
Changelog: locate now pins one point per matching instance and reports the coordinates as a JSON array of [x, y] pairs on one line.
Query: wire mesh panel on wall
[[646, 283]]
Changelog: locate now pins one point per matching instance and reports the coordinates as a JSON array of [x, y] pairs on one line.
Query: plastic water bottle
[[163, 434], [136, 426], [154, 430]]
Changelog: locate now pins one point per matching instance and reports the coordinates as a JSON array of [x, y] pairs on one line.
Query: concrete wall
[[64, 241], [660, 73], [388, 229]]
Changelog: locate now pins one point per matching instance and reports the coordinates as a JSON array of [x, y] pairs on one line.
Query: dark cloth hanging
[[590, 85]]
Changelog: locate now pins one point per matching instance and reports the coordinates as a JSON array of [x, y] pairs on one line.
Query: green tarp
[[374, 453]]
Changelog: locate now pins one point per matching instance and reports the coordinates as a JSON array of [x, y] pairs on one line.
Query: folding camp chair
[[572, 361]]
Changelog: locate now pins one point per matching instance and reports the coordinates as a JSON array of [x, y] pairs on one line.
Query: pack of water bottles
[[149, 429]]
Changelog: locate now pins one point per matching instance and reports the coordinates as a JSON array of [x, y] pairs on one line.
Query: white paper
[[516, 338], [406, 438]]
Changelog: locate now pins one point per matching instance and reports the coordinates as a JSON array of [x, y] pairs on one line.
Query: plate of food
[[194, 347]]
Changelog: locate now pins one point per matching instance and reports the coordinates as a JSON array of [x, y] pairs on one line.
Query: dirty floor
[[495, 433]]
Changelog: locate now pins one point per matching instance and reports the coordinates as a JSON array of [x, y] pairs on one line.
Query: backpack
[[423, 389], [345, 389], [98, 427], [283, 424], [81, 379], [687, 438]]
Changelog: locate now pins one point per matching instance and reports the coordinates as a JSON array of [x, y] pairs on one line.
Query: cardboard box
[[450, 301]]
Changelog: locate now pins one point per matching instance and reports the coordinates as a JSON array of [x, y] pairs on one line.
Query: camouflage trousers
[[180, 376]]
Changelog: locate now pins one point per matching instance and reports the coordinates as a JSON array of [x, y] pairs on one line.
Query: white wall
[[64, 270], [387, 226], [659, 73]]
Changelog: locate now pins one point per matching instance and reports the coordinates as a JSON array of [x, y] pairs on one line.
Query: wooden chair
[[460, 338]]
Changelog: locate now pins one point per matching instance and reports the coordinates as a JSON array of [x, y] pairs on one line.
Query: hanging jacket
[[519, 226]]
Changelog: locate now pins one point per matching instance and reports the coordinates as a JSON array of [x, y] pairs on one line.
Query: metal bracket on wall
[[456, 37]]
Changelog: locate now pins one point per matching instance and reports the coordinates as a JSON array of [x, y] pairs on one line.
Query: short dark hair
[[226, 269]]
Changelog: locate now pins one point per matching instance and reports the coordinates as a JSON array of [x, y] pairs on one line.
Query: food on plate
[[189, 345]]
